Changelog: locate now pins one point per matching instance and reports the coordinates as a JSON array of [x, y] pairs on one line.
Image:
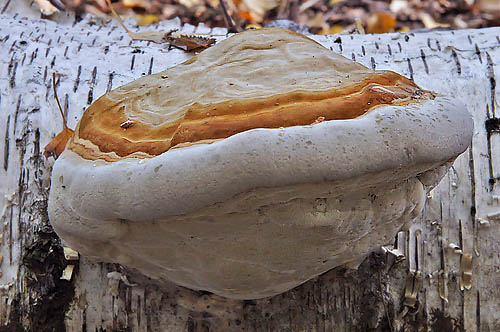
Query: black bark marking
[[66, 105], [132, 62], [478, 53], [460, 234], [66, 51], [39, 37], [36, 150], [47, 52], [18, 108], [389, 49], [498, 39], [92, 84], [376, 46], [429, 43], [473, 210], [363, 50], [6, 146], [457, 61], [493, 83], [400, 47], [12, 80], [45, 74], [478, 312], [53, 62], [426, 67], [4, 8], [353, 56], [84, 319], [372, 60], [139, 309], [110, 82], [24, 58], [77, 80], [150, 70], [492, 125], [12, 46]]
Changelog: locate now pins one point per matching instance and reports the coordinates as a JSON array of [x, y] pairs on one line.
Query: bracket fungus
[[254, 166]]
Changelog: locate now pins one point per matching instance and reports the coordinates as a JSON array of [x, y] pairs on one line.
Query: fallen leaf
[[147, 19], [190, 3], [132, 3], [46, 8], [188, 43], [430, 23], [380, 23], [57, 145], [260, 7], [334, 29], [246, 15], [398, 5]]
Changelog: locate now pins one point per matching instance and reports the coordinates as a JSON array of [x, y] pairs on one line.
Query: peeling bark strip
[[455, 243]]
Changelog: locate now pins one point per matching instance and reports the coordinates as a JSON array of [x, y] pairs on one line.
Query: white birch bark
[[420, 293]]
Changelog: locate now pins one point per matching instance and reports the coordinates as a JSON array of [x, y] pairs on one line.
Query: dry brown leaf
[[190, 3], [380, 23], [430, 23], [46, 8], [147, 19], [134, 3], [188, 43], [246, 15], [334, 29], [57, 145], [260, 7]]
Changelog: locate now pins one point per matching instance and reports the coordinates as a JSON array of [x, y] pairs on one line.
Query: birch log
[[441, 275]]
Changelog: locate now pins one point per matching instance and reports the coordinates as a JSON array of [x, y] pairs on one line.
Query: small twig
[[118, 17], [57, 100], [58, 5], [383, 301], [229, 21]]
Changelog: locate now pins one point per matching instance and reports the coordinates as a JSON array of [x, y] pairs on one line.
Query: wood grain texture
[[461, 216]]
